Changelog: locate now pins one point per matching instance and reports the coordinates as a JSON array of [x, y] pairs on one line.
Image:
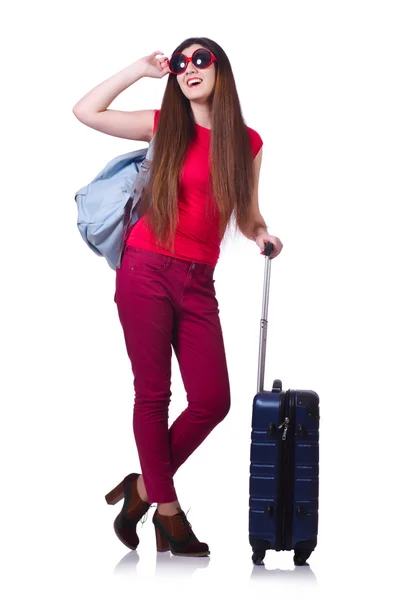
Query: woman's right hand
[[155, 67]]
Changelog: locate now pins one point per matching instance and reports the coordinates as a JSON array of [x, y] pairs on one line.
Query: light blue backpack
[[107, 207]]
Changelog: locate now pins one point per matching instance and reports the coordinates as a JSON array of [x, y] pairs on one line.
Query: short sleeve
[[256, 141], [156, 120]]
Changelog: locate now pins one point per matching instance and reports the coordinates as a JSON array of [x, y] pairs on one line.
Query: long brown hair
[[231, 162]]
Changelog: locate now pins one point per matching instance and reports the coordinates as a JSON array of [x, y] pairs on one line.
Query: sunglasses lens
[[202, 58], [177, 63]]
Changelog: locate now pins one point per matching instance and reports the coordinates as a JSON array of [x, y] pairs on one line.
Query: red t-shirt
[[196, 236]]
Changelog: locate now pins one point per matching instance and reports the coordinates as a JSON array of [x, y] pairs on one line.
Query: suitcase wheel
[[258, 556], [301, 556]]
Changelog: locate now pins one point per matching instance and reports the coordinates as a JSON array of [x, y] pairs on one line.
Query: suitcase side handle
[[263, 323]]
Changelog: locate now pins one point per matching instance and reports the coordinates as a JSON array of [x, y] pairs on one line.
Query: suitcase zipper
[[280, 471], [284, 472], [284, 525], [285, 425], [289, 453]]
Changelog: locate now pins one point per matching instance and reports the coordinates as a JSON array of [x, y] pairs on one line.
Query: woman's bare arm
[[92, 109]]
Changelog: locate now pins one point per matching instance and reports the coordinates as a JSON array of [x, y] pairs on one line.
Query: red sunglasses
[[201, 58]]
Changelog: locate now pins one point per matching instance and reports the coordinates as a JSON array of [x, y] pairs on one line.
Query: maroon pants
[[163, 303]]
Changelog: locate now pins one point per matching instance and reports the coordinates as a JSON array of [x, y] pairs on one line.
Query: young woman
[[205, 170]]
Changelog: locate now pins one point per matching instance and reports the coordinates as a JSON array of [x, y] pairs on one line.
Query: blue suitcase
[[284, 461]]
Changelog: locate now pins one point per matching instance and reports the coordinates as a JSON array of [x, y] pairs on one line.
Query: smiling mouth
[[194, 84]]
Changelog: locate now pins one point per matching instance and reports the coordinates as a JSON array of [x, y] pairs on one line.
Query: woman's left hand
[[262, 239]]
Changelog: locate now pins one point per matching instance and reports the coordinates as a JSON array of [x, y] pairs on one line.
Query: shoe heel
[[162, 542], [116, 494]]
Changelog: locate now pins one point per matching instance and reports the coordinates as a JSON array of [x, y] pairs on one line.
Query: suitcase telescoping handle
[[263, 331]]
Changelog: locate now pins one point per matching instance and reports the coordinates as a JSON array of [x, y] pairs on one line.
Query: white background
[[317, 80]]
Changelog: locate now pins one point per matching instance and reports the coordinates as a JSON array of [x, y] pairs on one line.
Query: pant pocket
[[146, 266], [146, 262]]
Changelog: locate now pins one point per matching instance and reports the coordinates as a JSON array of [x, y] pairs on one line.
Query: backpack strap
[[149, 153]]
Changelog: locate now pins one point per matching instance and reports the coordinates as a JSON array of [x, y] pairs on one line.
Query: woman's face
[[201, 92]]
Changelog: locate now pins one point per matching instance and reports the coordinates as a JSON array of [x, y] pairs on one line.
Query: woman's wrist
[[260, 230]]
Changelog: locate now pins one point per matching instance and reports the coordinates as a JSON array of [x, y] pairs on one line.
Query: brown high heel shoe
[[134, 508], [176, 534]]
